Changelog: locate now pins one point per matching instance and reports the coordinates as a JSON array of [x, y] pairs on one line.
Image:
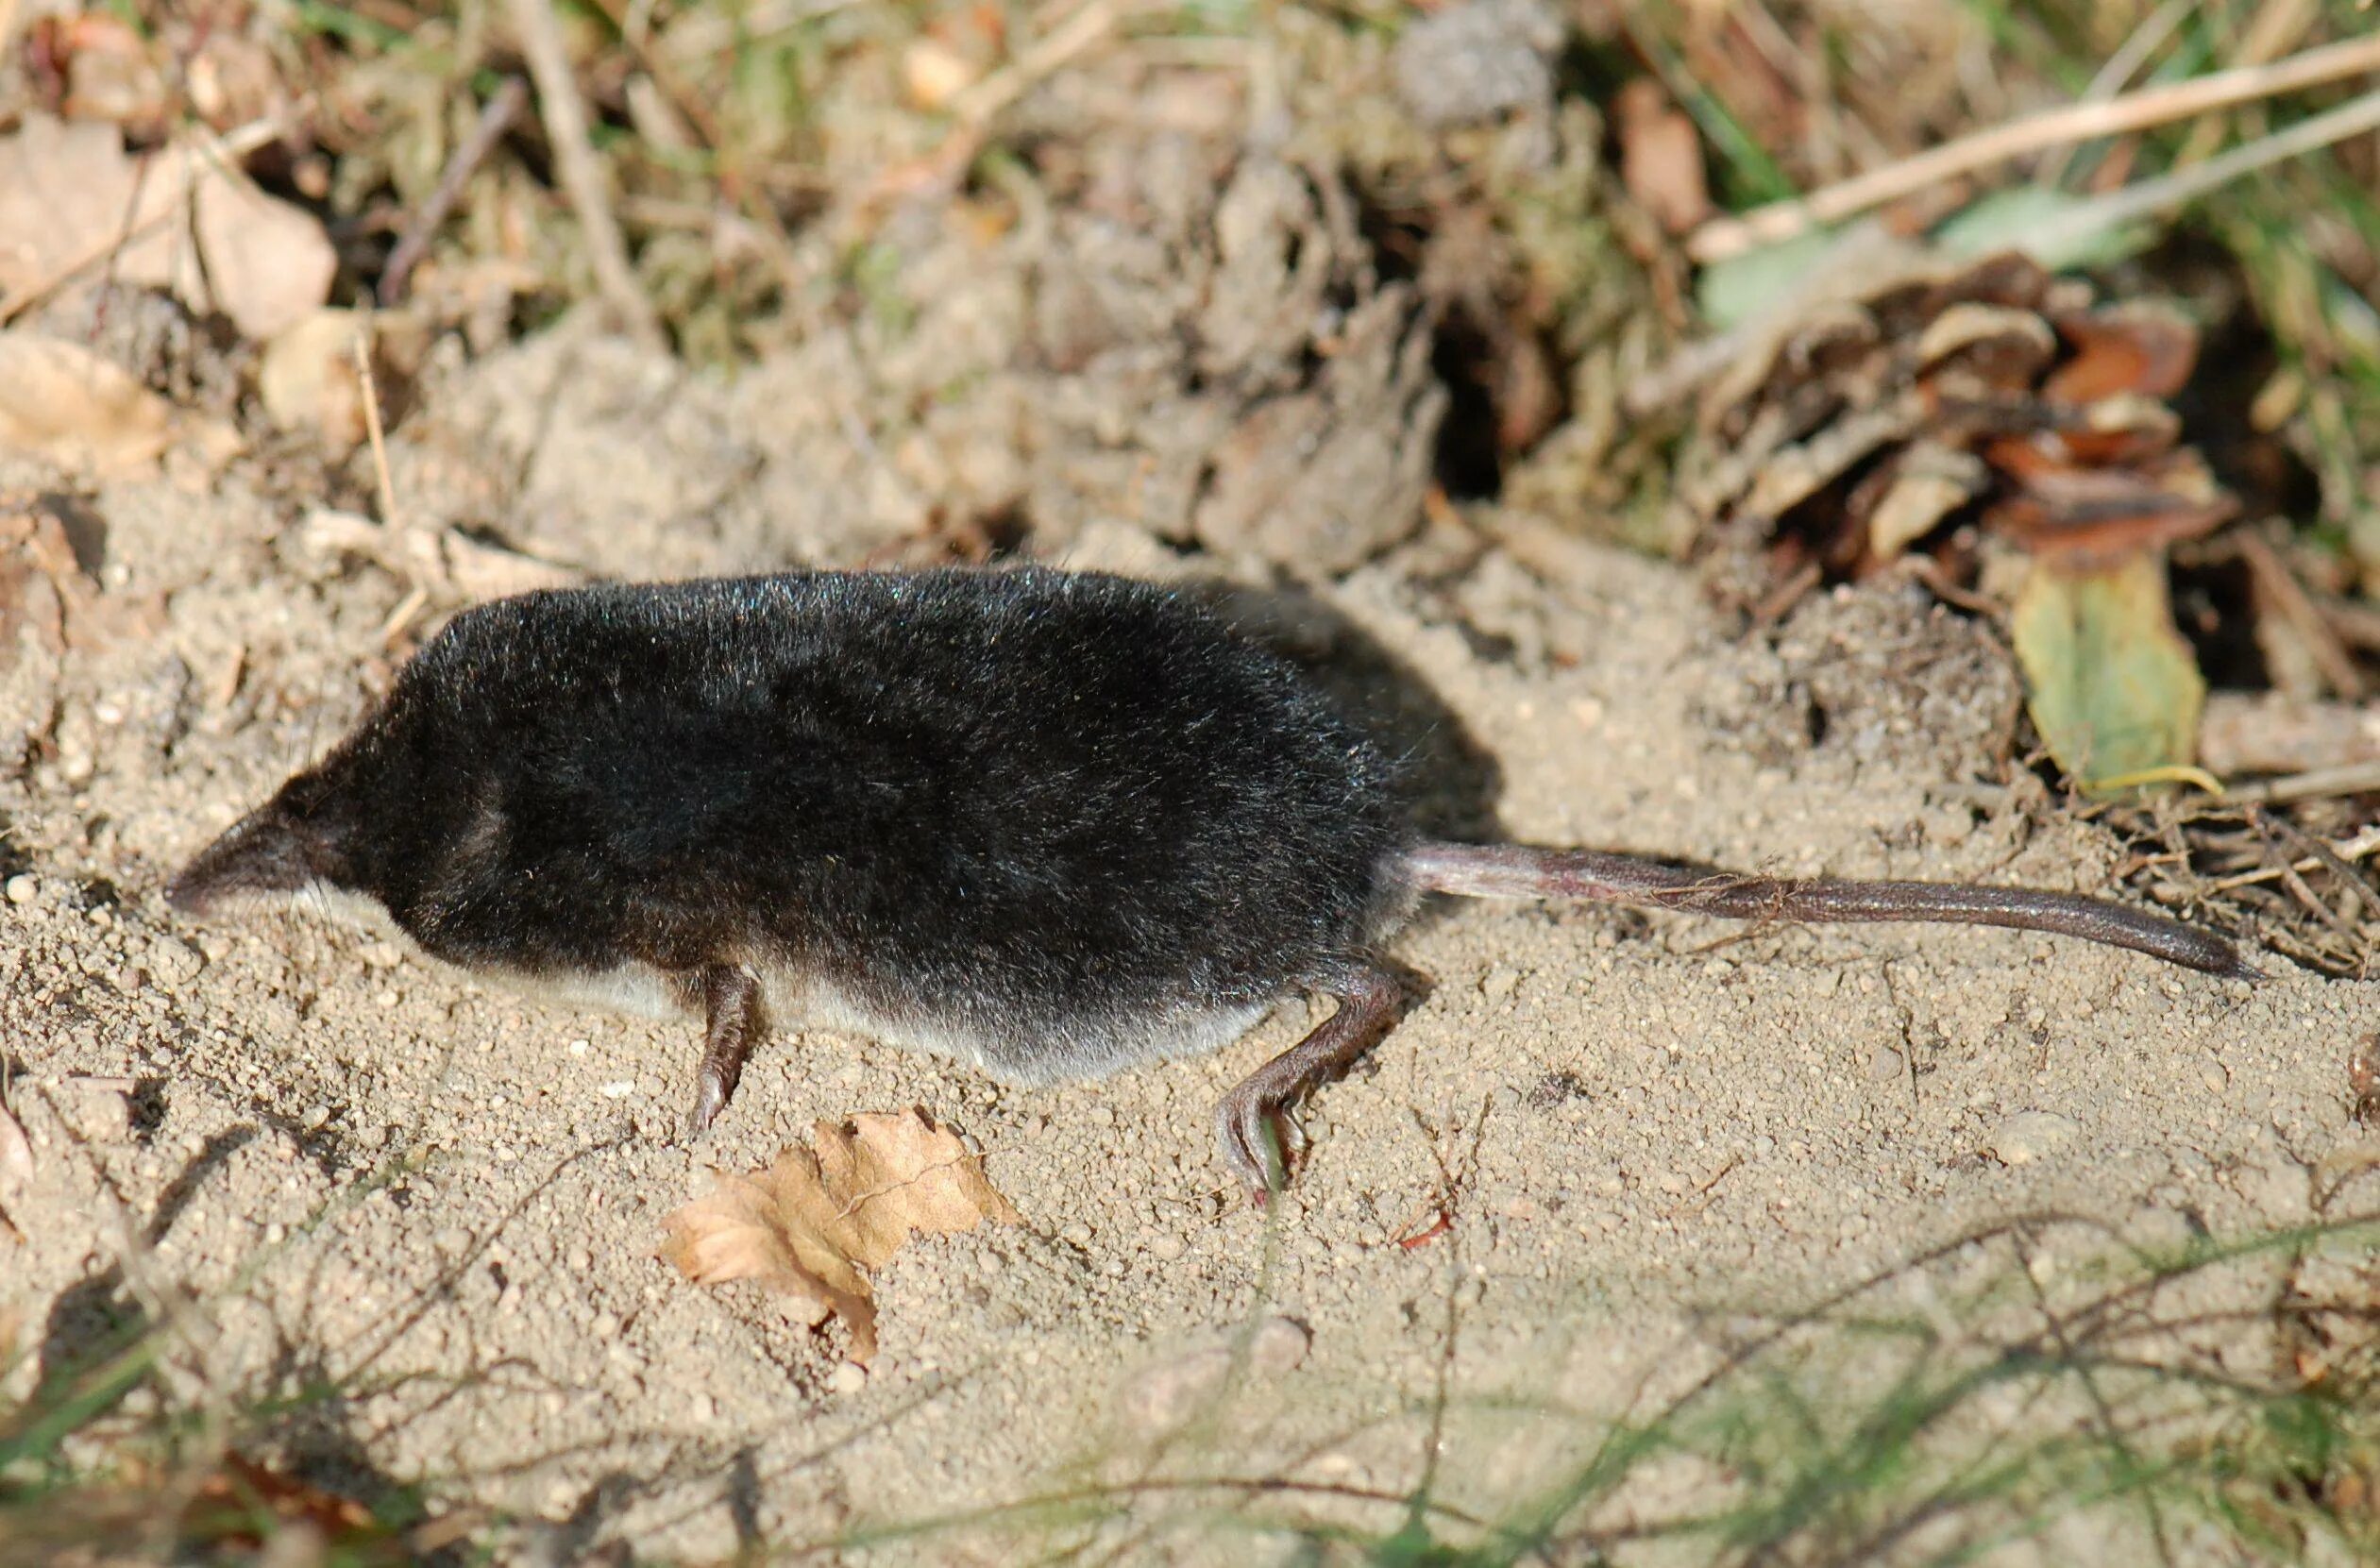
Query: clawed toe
[[1259, 1139], [710, 1098], [1259, 1142]]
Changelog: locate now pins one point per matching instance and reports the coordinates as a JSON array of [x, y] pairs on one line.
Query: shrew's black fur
[[1054, 822], [1056, 817]]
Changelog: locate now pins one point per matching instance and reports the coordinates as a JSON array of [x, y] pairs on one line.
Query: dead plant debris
[[810, 1225], [1997, 419]]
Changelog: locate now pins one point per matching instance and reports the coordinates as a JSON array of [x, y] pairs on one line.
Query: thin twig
[[2346, 870], [1725, 237], [2362, 778], [2154, 196], [2286, 596], [565, 116], [2297, 883], [2278, 27], [1005, 86], [2146, 40], [369, 384], [496, 118], [2347, 850]]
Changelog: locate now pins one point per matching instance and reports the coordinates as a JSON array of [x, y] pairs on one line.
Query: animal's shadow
[[1448, 782]]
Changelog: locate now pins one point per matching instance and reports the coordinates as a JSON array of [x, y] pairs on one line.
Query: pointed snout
[[261, 853]]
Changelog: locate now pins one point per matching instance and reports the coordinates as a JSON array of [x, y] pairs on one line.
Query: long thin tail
[[1523, 871]]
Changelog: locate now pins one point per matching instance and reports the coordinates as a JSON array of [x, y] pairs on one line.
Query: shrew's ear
[[265, 852]]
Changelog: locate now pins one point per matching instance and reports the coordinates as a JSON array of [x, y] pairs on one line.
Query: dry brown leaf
[[306, 378], [1926, 484], [2141, 348], [71, 197], [1984, 348], [62, 402], [1661, 158], [809, 1225], [2098, 516], [268, 264], [68, 196], [1896, 413], [244, 1502]]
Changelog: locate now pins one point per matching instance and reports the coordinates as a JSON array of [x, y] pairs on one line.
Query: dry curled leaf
[[64, 403], [1949, 393], [810, 1224], [181, 218]]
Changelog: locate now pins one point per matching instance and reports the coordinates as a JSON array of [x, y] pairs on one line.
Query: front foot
[[731, 999]]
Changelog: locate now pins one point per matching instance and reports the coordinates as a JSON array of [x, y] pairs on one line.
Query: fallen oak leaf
[[776, 1227], [61, 402], [808, 1225], [898, 1175]]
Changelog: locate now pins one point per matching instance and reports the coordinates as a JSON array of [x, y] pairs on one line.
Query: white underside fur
[[791, 1001]]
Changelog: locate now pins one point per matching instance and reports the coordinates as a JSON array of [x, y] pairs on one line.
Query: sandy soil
[[426, 1211], [340, 1164]]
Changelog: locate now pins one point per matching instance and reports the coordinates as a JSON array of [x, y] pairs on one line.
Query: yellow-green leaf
[[2111, 685]]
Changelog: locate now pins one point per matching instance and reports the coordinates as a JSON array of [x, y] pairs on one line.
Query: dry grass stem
[[1725, 237], [495, 120], [581, 175]]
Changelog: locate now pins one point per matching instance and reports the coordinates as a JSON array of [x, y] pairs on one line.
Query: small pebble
[[848, 1378], [23, 889], [1885, 1064], [1167, 1248], [2028, 1136], [1164, 1396], [174, 961], [1278, 1345]]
